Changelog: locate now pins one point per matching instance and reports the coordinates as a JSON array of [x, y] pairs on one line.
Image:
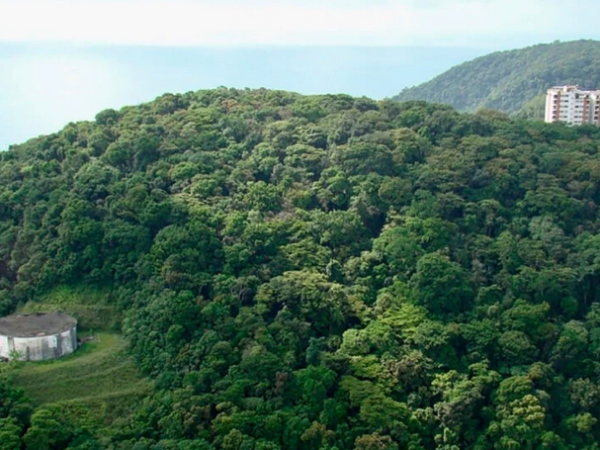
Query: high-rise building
[[572, 105]]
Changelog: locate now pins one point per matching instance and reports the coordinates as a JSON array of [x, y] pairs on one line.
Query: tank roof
[[37, 324]]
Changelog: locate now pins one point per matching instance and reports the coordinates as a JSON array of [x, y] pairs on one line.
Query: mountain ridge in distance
[[513, 81]]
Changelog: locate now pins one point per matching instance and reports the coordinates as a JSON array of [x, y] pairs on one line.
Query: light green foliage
[[399, 249], [48, 430], [10, 434], [307, 296]]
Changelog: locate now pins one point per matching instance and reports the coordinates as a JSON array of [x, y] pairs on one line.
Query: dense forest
[[512, 81], [318, 272]]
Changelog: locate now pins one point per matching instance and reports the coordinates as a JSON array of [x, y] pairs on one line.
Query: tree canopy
[[318, 272]]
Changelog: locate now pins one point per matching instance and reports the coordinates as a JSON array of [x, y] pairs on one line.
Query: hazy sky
[[291, 22]]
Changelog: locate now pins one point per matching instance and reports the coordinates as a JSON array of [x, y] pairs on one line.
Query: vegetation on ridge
[[510, 80], [318, 272]]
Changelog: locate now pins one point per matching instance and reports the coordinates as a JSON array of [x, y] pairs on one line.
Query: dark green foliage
[[318, 272], [513, 81], [440, 285]]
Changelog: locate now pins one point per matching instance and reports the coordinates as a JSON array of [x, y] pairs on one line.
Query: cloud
[[288, 22]]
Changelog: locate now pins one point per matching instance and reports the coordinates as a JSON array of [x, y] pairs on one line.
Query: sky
[[296, 22]]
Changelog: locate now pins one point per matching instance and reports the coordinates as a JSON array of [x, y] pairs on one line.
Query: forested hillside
[[509, 80], [321, 273]]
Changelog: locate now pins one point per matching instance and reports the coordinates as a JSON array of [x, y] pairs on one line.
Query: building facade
[[572, 105]]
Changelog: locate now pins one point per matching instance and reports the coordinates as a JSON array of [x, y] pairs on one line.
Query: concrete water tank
[[37, 337]]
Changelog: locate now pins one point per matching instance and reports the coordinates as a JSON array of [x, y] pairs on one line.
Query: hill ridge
[[508, 80]]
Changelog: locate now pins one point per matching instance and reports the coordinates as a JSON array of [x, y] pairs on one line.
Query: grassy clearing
[[99, 376], [99, 380], [90, 306]]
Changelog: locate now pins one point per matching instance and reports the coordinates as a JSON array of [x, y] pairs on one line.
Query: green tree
[[440, 285]]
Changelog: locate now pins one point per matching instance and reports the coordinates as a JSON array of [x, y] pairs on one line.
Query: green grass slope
[[510, 79], [100, 375], [100, 380]]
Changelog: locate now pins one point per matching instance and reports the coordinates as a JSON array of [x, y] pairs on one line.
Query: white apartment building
[[572, 105]]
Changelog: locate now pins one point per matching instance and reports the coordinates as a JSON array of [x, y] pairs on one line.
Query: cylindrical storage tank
[[37, 337]]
